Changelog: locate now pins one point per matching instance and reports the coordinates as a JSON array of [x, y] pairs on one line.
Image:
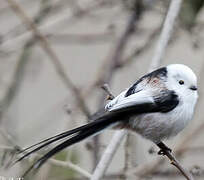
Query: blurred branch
[[9, 139], [81, 38], [167, 29], [113, 62], [56, 162], [190, 11], [57, 20], [143, 49], [16, 82], [18, 77], [168, 173], [21, 64], [108, 155], [71, 166], [50, 52], [128, 155]]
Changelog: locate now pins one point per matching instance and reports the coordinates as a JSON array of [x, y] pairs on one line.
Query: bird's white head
[[183, 81]]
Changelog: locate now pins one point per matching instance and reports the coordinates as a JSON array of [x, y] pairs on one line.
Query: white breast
[[158, 126]]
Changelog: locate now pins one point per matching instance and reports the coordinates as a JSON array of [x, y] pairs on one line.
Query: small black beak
[[194, 88]]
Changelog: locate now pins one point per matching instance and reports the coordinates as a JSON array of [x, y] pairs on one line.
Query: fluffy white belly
[[158, 126]]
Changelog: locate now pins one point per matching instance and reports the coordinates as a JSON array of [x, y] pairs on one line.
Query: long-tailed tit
[[158, 106]]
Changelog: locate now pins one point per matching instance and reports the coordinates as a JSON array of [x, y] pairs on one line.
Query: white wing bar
[[121, 101]]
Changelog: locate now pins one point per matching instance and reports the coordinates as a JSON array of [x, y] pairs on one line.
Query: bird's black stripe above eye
[[160, 73]]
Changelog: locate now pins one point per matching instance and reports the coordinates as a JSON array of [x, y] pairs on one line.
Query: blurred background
[[54, 57]]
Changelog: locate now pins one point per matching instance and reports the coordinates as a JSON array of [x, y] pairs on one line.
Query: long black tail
[[75, 135]]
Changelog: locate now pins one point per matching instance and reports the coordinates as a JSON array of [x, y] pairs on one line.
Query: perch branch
[[175, 163]]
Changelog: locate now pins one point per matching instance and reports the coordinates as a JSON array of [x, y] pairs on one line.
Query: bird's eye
[[181, 82]]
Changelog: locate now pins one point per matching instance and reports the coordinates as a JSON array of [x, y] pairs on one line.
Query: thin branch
[[9, 139], [21, 64], [50, 52], [167, 29], [106, 88], [89, 38], [128, 155], [67, 164], [57, 20], [143, 49], [175, 163], [71, 166], [108, 155], [56, 162], [114, 63]]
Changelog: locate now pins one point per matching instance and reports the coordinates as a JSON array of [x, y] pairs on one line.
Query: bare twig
[[172, 14], [20, 68], [108, 155], [71, 166], [81, 38], [114, 61], [137, 52], [50, 52], [128, 155], [106, 88], [56, 162], [151, 167], [9, 139], [174, 162], [56, 21]]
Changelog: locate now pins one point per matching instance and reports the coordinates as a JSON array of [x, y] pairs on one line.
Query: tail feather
[[48, 141], [79, 137], [76, 135], [51, 139]]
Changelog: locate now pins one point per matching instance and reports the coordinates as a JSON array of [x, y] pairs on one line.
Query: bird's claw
[[164, 151]]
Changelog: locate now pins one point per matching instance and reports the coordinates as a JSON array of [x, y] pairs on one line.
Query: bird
[[157, 106]]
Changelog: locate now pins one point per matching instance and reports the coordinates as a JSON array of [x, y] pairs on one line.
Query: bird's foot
[[163, 149]]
